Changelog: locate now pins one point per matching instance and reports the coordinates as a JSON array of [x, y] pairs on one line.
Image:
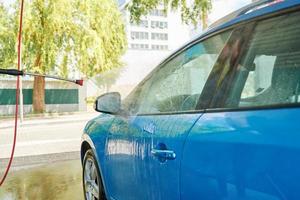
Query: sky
[[224, 7], [218, 11], [7, 2]]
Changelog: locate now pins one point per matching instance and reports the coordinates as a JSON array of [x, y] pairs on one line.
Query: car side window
[[177, 85], [269, 71]]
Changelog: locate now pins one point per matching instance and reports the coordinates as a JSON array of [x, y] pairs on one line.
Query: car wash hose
[[17, 96], [18, 72]]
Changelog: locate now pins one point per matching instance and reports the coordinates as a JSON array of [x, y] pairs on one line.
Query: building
[[59, 96], [156, 32], [149, 42], [155, 37]]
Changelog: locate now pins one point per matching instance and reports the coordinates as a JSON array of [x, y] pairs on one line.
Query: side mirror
[[108, 103]]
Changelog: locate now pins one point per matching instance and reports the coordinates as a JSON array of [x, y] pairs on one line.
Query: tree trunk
[[39, 95], [204, 19]]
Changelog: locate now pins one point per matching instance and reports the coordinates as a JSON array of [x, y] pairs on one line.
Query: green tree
[[106, 79], [64, 35], [193, 12], [7, 39]]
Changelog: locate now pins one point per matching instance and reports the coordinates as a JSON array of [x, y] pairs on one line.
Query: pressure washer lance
[[14, 72]]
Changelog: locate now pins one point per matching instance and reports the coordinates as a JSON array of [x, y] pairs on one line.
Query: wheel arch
[[87, 144]]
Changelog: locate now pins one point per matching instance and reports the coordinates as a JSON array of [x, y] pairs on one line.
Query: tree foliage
[[8, 35], [59, 36], [107, 79], [191, 11], [86, 34]]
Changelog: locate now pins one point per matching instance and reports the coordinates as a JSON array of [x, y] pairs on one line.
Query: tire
[[91, 179]]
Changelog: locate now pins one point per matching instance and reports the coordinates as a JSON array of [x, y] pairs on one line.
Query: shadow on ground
[[60, 181]]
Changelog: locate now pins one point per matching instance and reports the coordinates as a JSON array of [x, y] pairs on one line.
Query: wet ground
[[59, 181]]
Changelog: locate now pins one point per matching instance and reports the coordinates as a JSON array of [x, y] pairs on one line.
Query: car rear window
[[269, 72]]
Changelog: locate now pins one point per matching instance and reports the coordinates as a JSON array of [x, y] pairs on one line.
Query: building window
[[159, 47], [139, 35], [159, 24], [142, 23], [139, 46], [159, 36], [159, 13]]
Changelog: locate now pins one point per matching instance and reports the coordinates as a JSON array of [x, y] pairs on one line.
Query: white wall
[[50, 84]]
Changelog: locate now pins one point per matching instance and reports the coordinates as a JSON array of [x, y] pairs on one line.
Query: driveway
[[59, 181]]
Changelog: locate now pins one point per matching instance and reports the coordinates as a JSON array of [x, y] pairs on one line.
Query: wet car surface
[[218, 119], [60, 181]]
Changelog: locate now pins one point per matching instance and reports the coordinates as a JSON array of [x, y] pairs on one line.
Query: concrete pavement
[[55, 181], [40, 138], [9, 123]]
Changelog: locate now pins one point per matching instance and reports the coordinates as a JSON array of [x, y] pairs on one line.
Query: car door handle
[[163, 154]]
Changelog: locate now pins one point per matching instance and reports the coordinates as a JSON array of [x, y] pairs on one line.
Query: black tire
[[88, 189]]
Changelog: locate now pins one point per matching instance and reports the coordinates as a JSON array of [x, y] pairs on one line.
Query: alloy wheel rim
[[91, 182]]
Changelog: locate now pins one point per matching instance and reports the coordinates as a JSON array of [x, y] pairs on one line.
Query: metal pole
[[76, 81], [21, 69], [21, 93], [21, 100], [14, 72]]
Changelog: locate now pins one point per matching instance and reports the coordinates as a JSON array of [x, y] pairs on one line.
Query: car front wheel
[[92, 183]]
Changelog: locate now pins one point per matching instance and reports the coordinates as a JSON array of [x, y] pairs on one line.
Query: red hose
[[17, 96]]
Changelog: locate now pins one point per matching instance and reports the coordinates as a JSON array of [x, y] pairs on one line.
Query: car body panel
[[95, 134], [131, 171], [243, 155]]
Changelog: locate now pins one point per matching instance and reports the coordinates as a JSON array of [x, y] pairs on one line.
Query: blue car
[[217, 120]]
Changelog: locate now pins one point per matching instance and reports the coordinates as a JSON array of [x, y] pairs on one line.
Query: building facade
[[157, 36], [149, 42], [59, 96], [152, 33]]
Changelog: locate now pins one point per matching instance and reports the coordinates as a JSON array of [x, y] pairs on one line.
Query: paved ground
[[59, 181], [44, 136], [46, 164]]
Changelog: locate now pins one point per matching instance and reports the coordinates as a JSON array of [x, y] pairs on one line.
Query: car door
[[144, 147], [247, 145]]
